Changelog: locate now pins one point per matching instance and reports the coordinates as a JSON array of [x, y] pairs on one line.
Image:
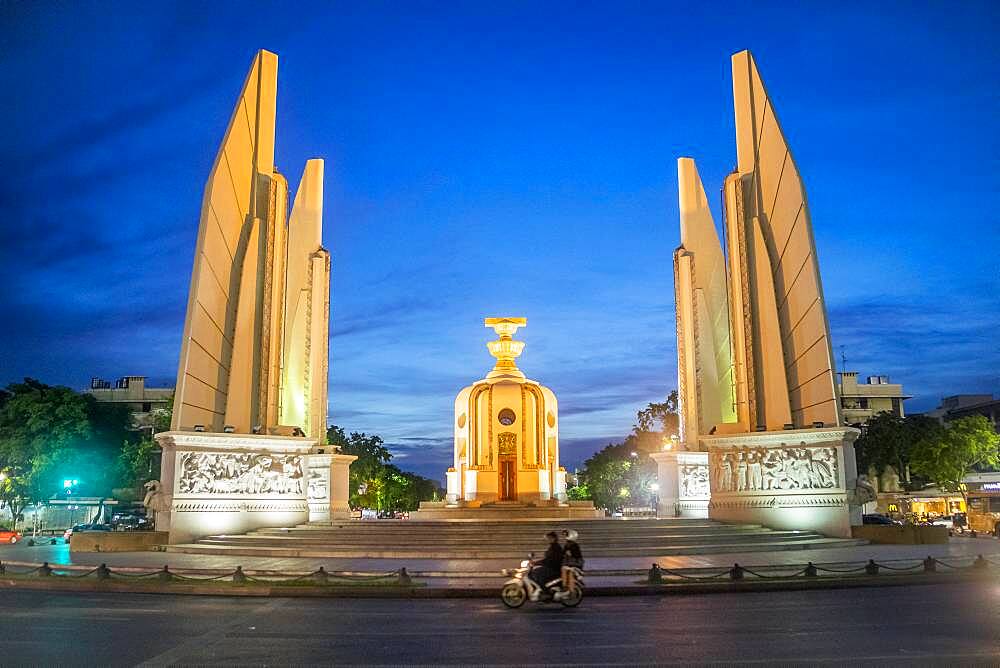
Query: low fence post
[[655, 575], [404, 577], [871, 568], [930, 565], [736, 572]]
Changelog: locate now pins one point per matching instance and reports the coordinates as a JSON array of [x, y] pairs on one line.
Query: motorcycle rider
[[549, 566], [572, 557]]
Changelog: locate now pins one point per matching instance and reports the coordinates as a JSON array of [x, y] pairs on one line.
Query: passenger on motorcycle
[[548, 568], [572, 556]]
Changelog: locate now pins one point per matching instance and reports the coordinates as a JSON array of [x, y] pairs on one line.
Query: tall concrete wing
[[306, 344], [224, 353], [784, 355], [704, 364]]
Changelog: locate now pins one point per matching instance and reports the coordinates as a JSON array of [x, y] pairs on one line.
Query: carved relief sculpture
[[764, 469], [231, 473]]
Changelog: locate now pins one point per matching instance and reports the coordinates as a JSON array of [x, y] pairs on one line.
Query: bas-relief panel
[[764, 469], [319, 484], [694, 481], [233, 473]]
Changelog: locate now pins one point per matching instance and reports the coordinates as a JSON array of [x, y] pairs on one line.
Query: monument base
[[683, 479], [795, 479], [506, 511], [230, 483], [329, 485]]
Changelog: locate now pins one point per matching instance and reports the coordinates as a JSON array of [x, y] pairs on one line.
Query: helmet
[[570, 534]]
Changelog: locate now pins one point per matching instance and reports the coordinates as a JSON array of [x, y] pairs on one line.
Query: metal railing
[[319, 576], [659, 575]]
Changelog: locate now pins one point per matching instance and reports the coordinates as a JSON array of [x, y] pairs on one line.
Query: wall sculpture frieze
[[774, 469], [238, 473]]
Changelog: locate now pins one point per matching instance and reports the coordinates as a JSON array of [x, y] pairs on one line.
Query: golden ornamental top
[[505, 349]]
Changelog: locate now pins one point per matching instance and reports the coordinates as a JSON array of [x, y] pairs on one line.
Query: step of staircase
[[398, 539]]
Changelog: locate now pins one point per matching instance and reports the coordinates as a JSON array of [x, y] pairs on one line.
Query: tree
[[137, 458], [889, 440], [374, 482], [623, 474], [948, 455], [48, 434], [617, 476], [654, 423]]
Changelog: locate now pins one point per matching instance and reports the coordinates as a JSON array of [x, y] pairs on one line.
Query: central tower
[[506, 433]]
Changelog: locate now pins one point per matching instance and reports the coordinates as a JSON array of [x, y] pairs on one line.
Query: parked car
[[879, 519], [9, 536], [85, 527], [131, 521]]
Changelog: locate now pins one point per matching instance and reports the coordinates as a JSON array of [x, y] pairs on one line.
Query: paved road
[[951, 624]]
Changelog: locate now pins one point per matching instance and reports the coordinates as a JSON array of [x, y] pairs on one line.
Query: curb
[[405, 592]]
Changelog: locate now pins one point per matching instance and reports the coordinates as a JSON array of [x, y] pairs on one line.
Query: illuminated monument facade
[[246, 446], [762, 438], [506, 448], [506, 432]]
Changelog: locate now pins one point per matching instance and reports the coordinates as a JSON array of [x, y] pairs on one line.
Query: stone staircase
[[467, 539]]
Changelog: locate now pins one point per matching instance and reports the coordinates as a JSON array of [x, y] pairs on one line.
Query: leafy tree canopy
[[623, 474], [374, 482], [889, 440], [48, 434], [945, 456]]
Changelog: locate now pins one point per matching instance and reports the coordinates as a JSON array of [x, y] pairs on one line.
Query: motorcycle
[[521, 588]]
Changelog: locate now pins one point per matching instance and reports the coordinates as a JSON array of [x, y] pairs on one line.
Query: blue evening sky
[[498, 159]]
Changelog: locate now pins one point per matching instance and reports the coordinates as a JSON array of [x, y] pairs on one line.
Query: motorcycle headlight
[[525, 563]]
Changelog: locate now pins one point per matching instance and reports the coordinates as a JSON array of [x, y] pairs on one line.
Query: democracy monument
[[761, 442], [762, 439]]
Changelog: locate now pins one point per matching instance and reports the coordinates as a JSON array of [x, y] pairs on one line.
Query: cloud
[[934, 348]]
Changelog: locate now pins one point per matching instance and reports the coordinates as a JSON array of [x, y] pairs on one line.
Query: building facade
[[860, 402], [131, 391], [964, 405]]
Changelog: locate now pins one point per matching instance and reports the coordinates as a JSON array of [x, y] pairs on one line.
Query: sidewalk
[[462, 572]]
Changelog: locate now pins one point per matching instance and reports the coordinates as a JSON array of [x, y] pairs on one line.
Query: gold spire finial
[[505, 349]]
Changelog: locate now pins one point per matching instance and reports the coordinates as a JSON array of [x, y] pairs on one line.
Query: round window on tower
[[551, 419], [506, 417], [461, 421]]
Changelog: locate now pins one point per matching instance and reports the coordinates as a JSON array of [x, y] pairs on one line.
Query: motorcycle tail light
[[524, 564]]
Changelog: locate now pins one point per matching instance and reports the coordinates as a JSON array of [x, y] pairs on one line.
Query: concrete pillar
[[340, 486], [669, 481], [454, 487], [470, 484]]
